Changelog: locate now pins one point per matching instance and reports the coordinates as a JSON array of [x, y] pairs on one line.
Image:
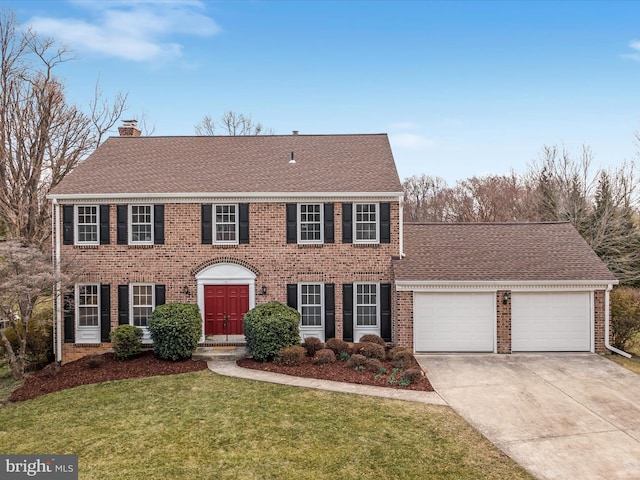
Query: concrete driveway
[[560, 416]]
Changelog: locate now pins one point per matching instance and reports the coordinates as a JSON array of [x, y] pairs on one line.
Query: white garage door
[[454, 322], [551, 322]]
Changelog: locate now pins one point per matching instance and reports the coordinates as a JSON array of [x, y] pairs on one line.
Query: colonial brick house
[[313, 221]]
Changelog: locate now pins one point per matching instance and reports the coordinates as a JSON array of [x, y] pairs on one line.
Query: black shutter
[[347, 223], [385, 311], [347, 312], [105, 313], [385, 222], [292, 223], [329, 311], [158, 224], [69, 317], [328, 223], [104, 225], [292, 295], [122, 219], [123, 304], [160, 295], [206, 220], [243, 223], [67, 224]]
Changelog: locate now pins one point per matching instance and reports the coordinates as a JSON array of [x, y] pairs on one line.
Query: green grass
[[633, 363], [7, 383], [201, 426]]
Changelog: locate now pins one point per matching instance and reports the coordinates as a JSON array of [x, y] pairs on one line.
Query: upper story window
[[366, 304], [226, 224], [142, 303], [141, 223], [88, 305], [310, 221], [366, 225], [87, 224]]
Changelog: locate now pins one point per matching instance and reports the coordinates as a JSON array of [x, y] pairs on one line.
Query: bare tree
[[42, 136], [26, 280], [231, 123], [426, 199]]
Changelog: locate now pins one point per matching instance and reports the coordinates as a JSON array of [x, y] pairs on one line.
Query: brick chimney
[[129, 129]]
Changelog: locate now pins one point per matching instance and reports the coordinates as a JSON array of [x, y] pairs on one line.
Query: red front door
[[224, 308]]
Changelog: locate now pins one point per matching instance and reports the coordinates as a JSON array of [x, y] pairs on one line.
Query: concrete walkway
[[230, 369], [561, 416]]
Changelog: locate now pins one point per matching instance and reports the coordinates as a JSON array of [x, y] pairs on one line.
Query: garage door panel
[[454, 322], [549, 322]]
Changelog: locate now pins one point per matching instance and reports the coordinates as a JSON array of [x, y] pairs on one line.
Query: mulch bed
[[96, 369], [339, 372]]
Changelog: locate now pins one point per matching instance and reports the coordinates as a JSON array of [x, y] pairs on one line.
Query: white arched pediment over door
[[224, 274]]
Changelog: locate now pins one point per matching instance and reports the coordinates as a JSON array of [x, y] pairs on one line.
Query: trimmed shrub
[[312, 345], [372, 339], [625, 316], [357, 361], [401, 357], [175, 329], [371, 350], [338, 346], [291, 356], [412, 375], [373, 365], [269, 328], [324, 356], [126, 341]]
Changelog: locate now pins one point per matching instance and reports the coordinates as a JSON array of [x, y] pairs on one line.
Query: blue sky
[[462, 88]]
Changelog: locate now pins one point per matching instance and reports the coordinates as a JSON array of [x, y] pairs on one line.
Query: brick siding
[[503, 321]]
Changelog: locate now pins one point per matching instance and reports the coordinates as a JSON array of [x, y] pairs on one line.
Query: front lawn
[[7, 383], [200, 425]]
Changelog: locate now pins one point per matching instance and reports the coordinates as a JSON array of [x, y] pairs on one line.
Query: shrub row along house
[[313, 221]]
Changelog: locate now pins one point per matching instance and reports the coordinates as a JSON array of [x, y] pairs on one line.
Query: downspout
[[606, 325], [401, 226], [55, 227]]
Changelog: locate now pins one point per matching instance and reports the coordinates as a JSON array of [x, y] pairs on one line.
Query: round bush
[[371, 338], [324, 356], [291, 356], [373, 365], [312, 345], [402, 357], [338, 346], [175, 329], [269, 328], [126, 341], [413, 375], [357, 361], [371, 350]]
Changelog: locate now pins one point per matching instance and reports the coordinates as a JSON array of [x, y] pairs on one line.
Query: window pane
[[142, 304], [141, 227], [310, 222], [88, 315], [87, 223], [366, 222], [366, 304], [225, 223], [311, 305]]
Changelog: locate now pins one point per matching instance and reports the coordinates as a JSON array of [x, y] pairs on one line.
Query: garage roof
[[497, 252]]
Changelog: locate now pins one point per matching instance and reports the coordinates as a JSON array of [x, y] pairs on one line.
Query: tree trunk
[[15, 362]]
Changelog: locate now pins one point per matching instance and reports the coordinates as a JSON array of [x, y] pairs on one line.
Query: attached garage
[[500, 287], [551, 321], [454, 322]]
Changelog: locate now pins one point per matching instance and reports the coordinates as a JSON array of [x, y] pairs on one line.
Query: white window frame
[[215, 224], [301, 304], [78, 306], [132, 303], [321, 221], [356, 222], [130, 225], [76, 215], [356, 305]]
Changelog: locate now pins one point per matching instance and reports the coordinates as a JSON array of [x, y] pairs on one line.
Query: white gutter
[[57, 289], [606, 325], [401, 228]]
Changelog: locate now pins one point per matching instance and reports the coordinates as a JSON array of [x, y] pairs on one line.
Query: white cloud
[[411, 141], [133, 30]]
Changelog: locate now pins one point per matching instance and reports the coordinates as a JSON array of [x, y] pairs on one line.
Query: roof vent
[[294, 132], [293, 160], [129, 128]]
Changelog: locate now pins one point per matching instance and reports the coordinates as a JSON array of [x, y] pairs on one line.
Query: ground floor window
[[367, 304], [311, 304], [142, 303], [88, 305]]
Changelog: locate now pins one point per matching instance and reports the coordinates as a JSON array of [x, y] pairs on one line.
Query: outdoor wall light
[[505, 298], [185, 289], [263, 290]]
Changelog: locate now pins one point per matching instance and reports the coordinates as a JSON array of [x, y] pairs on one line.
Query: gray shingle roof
[[156, 165], [498, 252]]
